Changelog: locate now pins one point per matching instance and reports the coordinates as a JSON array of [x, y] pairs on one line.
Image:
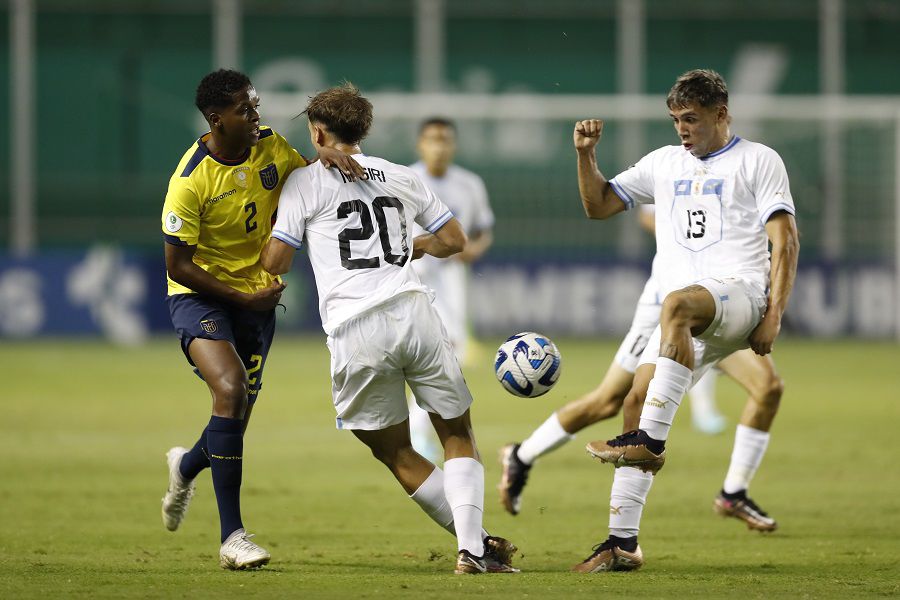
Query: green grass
[[85, 427]]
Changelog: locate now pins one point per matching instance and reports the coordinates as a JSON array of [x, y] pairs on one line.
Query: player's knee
[[677, 309], [231, 395], [392, 455], [772, 391]]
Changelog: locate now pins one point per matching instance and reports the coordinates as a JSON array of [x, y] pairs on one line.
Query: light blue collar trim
[[731, 144]]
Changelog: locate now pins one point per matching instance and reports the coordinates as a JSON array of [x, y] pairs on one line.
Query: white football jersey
[[358, 233], [650, 295], [711, 211], [465, 194]]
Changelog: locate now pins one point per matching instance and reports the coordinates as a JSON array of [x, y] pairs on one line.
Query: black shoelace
[[754, 506], [625, 439]]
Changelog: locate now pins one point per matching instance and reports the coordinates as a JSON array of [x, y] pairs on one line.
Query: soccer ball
[[527, 364]]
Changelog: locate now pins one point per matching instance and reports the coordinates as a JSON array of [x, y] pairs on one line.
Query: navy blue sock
[[196, 459], [226, 456]]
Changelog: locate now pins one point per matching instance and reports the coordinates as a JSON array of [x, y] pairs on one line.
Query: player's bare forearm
[[592, 185], [428, 243], [276, 257], [450, 239], [782, 231], [182, 269], [597, 197]]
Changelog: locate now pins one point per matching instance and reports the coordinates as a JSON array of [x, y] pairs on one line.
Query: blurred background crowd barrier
[[99, 110]]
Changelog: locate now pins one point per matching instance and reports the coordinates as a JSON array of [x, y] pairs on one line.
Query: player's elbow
[[457, 242], [273, 266], [452, 237], [595, 209], [596, 213]]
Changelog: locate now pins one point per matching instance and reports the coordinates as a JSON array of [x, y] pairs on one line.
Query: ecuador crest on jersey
[[269, 176]]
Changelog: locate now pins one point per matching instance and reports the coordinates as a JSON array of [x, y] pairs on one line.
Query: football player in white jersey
[[465, 195], [721, 201], [756, 374], [382, 330]]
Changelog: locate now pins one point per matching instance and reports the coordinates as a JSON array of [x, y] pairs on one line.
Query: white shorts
[[646, 318], [375, 353], [740, 305]]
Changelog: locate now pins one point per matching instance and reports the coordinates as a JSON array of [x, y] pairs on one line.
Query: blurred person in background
[[465, 194], [756, 374], [721, 202], [216, 218]]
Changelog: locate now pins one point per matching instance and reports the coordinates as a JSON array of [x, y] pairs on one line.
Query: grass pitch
[[86, 426]]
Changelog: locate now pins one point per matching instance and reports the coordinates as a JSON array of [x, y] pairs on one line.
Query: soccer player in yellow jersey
[[217, 216]]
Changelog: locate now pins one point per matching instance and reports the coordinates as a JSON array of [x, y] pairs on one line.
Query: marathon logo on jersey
[[269, 176], [209, 326]]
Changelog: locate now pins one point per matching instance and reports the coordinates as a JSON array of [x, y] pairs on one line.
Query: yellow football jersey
[[226, 208]]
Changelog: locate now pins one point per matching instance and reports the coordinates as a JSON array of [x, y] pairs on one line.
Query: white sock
[[546, 438], [431, 498], [464, 489], [749, 448], [664, 395], [703, 394], [626, 501]]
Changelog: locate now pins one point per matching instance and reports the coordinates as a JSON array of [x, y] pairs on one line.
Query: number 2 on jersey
[[250, 223], [366, 230]]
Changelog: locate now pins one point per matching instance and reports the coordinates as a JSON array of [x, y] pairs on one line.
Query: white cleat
[[178, 496], [238, 552]]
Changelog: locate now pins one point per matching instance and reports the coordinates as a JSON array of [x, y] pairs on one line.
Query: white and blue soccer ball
[[528, 364]]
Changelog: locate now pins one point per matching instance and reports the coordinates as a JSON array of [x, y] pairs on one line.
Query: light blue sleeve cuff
[[622, 194], [287, 239], [764, 218], [439, 222]]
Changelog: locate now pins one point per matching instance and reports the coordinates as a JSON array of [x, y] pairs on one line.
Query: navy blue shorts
[[249, 331]]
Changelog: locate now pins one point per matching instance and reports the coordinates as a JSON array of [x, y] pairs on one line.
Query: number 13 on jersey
[[697, 212]]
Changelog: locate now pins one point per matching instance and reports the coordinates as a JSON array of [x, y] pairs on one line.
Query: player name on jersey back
[[369, 174], [358, 233]]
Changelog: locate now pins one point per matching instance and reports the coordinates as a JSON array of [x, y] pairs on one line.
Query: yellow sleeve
[[181, 213]]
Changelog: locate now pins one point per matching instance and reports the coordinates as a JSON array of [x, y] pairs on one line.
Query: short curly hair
[[343, 111], [217, 88], [703, 87]]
